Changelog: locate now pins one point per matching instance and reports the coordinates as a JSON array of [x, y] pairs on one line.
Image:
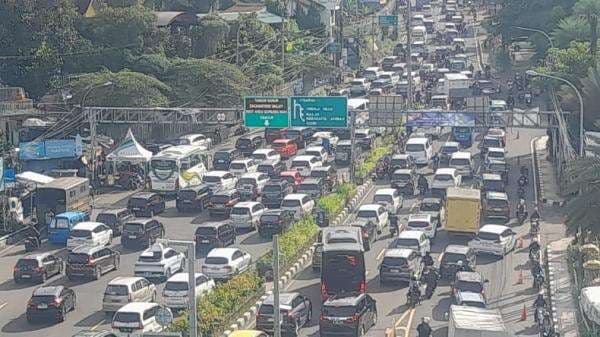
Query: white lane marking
[[399, 321], [380, 254], [98, 325], [3, 305]]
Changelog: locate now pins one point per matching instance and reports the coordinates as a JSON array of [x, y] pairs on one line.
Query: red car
[[293, 177], [273, 134], [285, 147]]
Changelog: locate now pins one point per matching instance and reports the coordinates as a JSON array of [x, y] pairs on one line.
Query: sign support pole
[[276, 312], [352, 145]]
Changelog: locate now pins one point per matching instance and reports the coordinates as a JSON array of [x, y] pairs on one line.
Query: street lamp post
[[537, 31], [581, 131]]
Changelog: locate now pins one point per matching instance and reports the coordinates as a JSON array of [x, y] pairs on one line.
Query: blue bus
[[61, 225]]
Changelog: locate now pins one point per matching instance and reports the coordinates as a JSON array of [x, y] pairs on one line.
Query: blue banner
[[49, 149], [440, 118]]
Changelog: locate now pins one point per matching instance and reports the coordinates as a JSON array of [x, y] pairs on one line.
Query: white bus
[[178, 167]]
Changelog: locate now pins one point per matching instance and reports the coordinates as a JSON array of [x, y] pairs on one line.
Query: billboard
[[50, 149], [440, 118]]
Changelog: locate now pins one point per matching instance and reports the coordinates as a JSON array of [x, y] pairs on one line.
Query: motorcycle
[[413, 297], [380, 171], [521, 216], [523, 181], [534, 230], [538, 281], [394, 229], [521, 193], [31, 243], [528, 99], [534, 256]]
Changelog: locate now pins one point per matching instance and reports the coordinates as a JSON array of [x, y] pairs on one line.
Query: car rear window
[[453, 258], [418, 224], [383, 198], [206, 231], [127, 317], [338, 311], [429, 207], [246, 181], [272, 188], [42, 299], [243, 142], [78, 258], [116, 290], [240, 211], [211, 179], [106, 218], [265, 168], [176, 286], [497, 203], [308, 187], [80, 233], [155, 257], [366, 214], [219, 199], [133, 227], [269, 218], [290, 203], [27, 263], [401, 176], [237, 166], [474, 287], [216, 260], [394, 261], [488, 236], [404, 242], [459, 162]]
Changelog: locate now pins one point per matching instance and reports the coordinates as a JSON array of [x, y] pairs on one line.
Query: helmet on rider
[[522, 201], [459, 263]]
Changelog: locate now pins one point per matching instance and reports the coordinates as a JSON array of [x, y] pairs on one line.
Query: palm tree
[[571, 29], [591, 93], [590, 10], [583, 175]]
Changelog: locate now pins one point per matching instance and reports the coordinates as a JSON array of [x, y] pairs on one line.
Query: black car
[[94, 333], [274, 192], [248, 144], [450, 257], [274, 221], [224, 157], [146, 204], [37, 267], [328, 174], [115, 219], [221, 203], [348, 316], [141, 233], [296, 311], [314, 187], [300, 136], [192, 198], [272, 168], [50, 303], [212, 235], [91, 262]]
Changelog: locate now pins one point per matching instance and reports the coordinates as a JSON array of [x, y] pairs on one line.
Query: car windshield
[[163, 164], [59, 223], [308, 187], [497, 203], [492, 142], [246, 181], [418, 224], [126, 317], [449, 149], [78, 258], [269, 218], [240, 211], [216, 260], [176, 286], [182, 141], [27, 263], [237, 166], [394, 261], [206, 231], [474, 287], [453, 258], [488, 236], [415, 147], [401, 176], [405, 242], [259, 156], [290, 203], [107, 219], [211, 179], [366, 214], [383, 198], [459, 162], [152, 257], [80, 233], [116, 290], [219, 199], [338, 311], [133, 227], [443, 177], [429, 207]]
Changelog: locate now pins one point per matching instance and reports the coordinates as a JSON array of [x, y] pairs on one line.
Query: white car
[[444, 178], [299, 203], [495, 153], [463, 163], [494, 239], [225, 263], [246, 214], [262, 155], [241, 166], [159, 261], [320, 135], [219, 180], [376, 213], [194, 139], [390, 198], [423, 223], [415, 240], [304, 164], [317, 151], [89, 233], [250, 180], [176, 289]]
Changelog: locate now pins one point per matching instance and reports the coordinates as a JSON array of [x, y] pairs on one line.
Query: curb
[[248, 316], [539, 182]]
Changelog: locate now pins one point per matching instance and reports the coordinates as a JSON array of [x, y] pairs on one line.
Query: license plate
[[395, 270], [133, 237], [26, 276], [136, 208], [42, 306], [205, 241]]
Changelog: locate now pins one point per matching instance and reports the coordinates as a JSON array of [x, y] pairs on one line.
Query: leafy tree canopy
[[571, 63]]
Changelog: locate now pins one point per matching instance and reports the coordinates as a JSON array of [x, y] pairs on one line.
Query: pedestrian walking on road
[[423, 328]]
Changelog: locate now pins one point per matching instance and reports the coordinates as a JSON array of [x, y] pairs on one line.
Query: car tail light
[[227, 268], [352, 319], [322, 317], [39, 269], [363, 287], [230, 202], [30, 304], [15, 269], [129, 298], [176, 183], [55, 303], [90, 262], [324, 291]]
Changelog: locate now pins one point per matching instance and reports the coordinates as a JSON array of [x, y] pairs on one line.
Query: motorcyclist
[[535, 215], [521, 208], [427, 260], [423, 329], [536, 270], [461, 266], [431, 279], [534, 246], [414, 287], [423, 184], [539, 302]]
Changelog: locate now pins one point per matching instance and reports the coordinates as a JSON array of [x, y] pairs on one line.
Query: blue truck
[[463, 135]]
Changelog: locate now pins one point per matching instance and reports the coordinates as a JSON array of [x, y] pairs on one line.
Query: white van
[[317, 151], [463, 163], [123, 290], [219, 180], [136, 318], [371, 73], [420, 149], [246, 214], [304, 164], [263, 155], [241, 166], [250, 180], [300, 204], [419, 33], [415, 240], [359, 86], [177, 286]]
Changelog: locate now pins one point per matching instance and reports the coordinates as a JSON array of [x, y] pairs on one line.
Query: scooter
[[521, 216], [534, 229]]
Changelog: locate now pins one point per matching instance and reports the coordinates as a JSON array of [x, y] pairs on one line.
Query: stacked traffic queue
[[257, 185]]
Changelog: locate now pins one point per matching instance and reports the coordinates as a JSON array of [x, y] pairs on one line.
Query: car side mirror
[[486, 281], [446, 315]]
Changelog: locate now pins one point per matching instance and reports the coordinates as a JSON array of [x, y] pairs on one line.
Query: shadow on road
[[20, 324]]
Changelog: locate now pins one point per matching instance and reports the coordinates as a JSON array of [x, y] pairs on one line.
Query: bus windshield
[[59, 223], [343, 272], [163, 164]]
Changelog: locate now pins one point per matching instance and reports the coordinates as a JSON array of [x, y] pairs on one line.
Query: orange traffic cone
[[520, 277], [524, 313]]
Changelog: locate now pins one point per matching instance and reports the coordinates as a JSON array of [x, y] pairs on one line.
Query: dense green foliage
[[368, 165], [333, 203]]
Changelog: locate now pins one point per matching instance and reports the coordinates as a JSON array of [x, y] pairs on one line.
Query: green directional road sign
[[388, 20], [272, 112], [319, 111]]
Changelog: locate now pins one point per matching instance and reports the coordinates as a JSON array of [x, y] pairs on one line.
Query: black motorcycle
[[521, 192], [534, 229], [413, 297], [32, 243], [538, 281], [523, 181], [521, 216]]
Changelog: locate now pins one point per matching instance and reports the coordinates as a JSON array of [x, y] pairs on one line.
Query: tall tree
[[590, 10], [571, 29], [209, 36]]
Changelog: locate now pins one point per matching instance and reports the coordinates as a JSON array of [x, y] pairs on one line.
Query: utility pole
[[94, 141], [283, 29], [237, 46], [409, 91], [277, 310], [373, 40], [352, 145]]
